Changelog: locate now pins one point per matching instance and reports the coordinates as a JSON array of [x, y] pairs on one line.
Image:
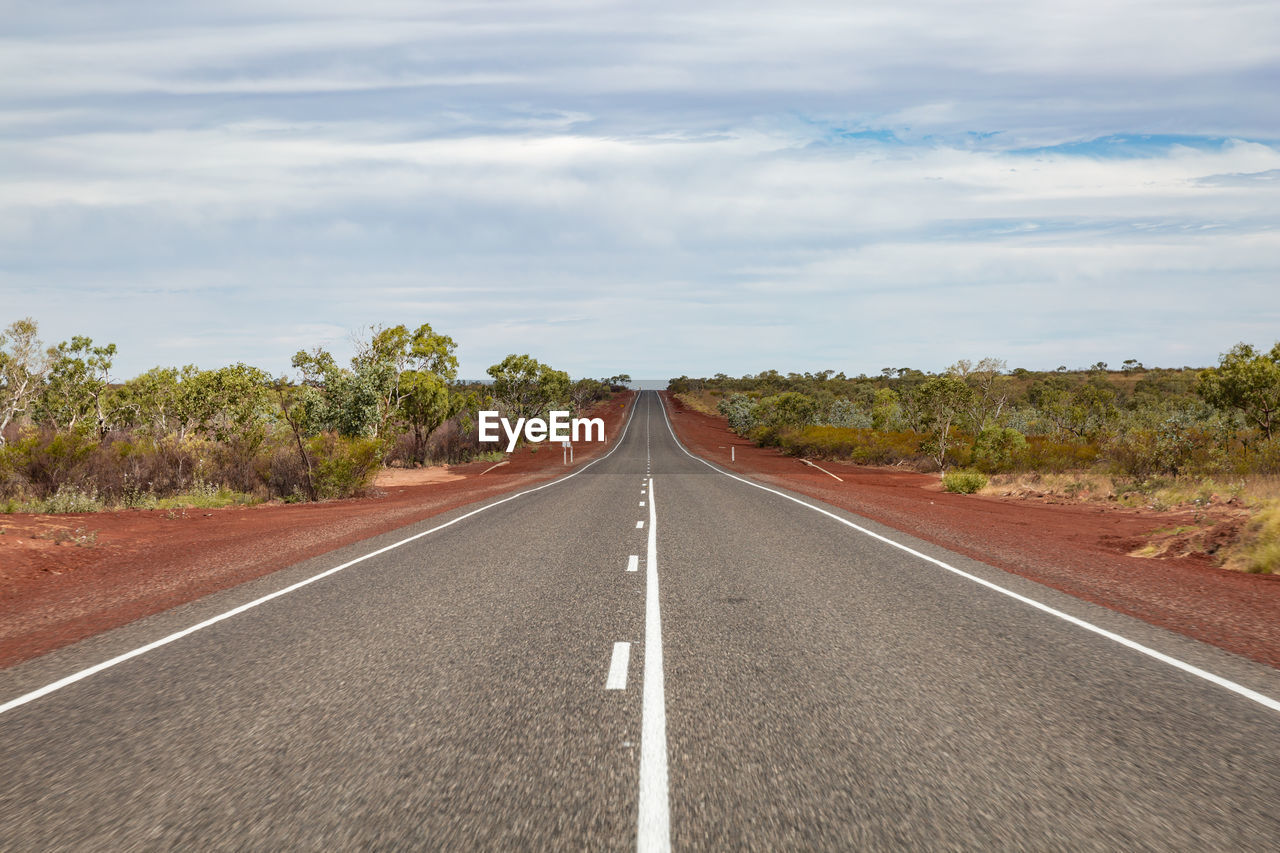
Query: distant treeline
[[1139, 422], [75, 437]]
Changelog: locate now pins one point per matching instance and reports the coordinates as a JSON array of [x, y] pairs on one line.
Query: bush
[[47, 461], [67, 499], [1047, 454], [343, 467], [998, 450], [1259, 548], [864, 446], [963, 481], [738, 411]]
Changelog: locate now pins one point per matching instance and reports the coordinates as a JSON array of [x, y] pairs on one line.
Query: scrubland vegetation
[[75, 438], [1154, 434]]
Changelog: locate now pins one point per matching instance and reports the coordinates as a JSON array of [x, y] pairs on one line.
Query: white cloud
[[580, 179]]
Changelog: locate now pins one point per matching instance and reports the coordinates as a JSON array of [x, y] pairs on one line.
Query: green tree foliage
[[586, 392], [738, 410], [886, 412], [426, 403], [23, 366], [990, 390], [76, 385], [1081, 411], [223, 403], [939, 403], [233, 428], [526, 388], [998, 449], [397, 363], [336, 399], [1248, 381], [788, 410]]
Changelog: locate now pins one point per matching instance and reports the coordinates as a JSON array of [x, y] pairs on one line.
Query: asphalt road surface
[[647, 654]]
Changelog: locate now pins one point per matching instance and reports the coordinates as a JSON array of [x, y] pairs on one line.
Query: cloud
[[694, 188]]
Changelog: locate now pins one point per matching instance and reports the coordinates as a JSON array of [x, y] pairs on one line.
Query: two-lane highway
[[648, 652]]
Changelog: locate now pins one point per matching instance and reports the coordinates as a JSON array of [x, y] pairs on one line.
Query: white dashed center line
[[617, 679]]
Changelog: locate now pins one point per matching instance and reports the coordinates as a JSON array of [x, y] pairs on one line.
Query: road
[[647, 654]]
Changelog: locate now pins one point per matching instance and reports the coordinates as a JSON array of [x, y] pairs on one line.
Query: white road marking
[[653, 827], [639, 524], [235, 611], [641, 503], [617, 679], [1239, 689], [633, 562], [820, 468]]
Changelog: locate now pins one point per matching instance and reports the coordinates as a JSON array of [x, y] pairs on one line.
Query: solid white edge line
[[164, 641], [653, 824], [617, 679], [1240, 689], [633, 562]]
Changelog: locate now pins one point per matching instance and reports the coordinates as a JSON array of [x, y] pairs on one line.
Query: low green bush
[[998, 450], [864, 446], [67, 499], [343, 467], [963, 481], [1047, 454]]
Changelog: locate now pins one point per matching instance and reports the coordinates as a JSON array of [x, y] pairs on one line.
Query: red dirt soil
[[134, 563], [1078, 549]]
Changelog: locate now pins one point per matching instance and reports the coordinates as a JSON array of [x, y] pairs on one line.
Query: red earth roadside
[[134, 563], [1078, 549]]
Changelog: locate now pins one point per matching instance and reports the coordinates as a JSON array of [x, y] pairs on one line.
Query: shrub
[[1048, 454], [963, 481], [343, 467], [738, 411], [69, 499], [48, 460], [998, 450], [1258, 550], [864, 446]]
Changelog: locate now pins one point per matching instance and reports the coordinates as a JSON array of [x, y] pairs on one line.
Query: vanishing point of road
[[651, 653]]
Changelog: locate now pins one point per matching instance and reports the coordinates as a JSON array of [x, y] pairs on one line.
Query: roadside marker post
[[733, 453]]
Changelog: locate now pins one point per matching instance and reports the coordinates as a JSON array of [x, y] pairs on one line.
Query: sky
[[652, 188]]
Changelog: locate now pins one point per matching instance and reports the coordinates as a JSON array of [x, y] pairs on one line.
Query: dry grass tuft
[[1258, 549]]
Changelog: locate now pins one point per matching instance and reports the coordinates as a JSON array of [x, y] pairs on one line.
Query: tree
[[23, 366], [77, 383], [939, 402], [390, 354], [788, 410], [426, 403], [584, 392], [885, 410], [525, 387], [223, 403], [1249, 381], [1081, 411], [990, 390], [345, 401]]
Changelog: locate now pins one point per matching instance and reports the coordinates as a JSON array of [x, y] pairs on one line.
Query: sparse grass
[[1258, 550], [963, 481], [80, 537], [1076, 485], [489, 456], [205, 496], [67, 499], [699, 403]]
